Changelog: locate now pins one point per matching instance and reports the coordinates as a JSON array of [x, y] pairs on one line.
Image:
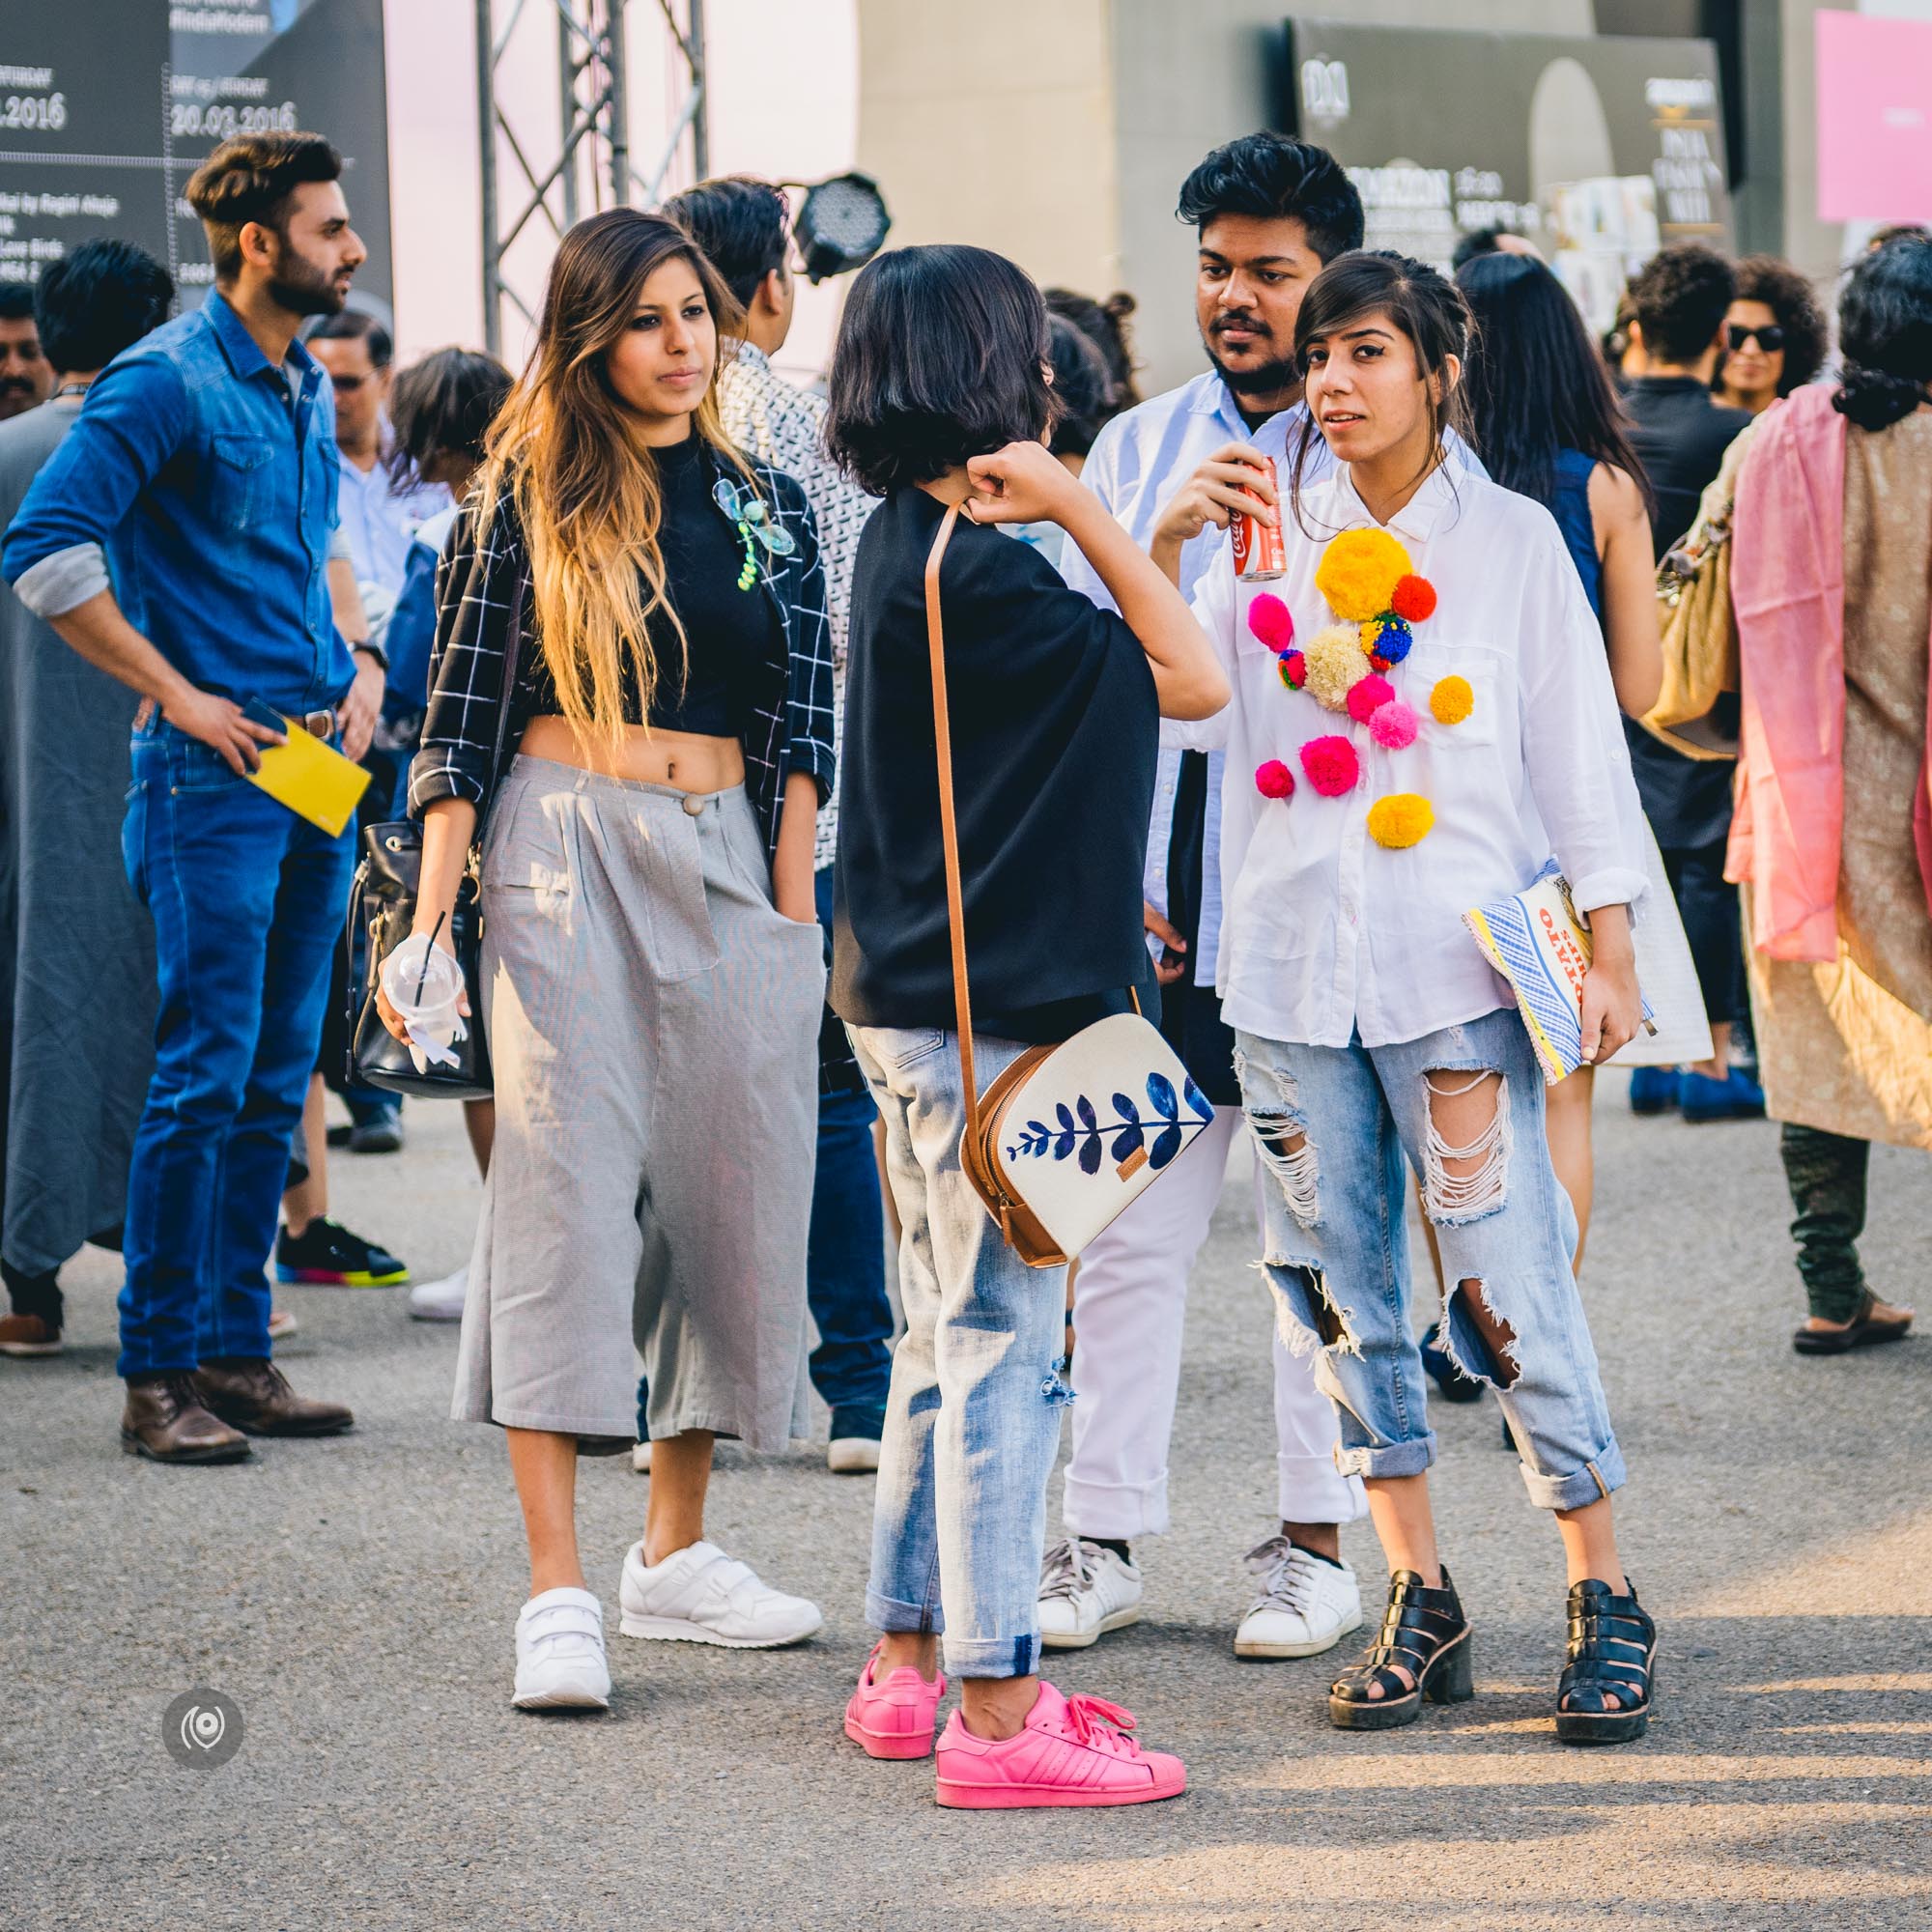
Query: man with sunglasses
[[1678, 300]]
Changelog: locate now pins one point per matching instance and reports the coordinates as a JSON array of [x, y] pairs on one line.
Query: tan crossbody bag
[[1068, 1134]]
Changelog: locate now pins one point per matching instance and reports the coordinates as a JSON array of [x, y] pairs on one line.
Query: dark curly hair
[[1788, 294], [1273, 178], [942, 356], [1104, 324], [1885, 333], [1082, 387], [1679, 298]]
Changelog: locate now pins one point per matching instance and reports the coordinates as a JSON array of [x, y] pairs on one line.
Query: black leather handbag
[[381, 913]]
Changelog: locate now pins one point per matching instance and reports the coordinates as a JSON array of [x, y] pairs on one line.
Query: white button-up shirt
[[1138, 461], [1328, 932]]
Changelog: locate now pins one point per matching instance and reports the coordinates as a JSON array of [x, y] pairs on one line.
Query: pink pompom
[[1367, 695], [1331, 765], [1392, 725], [1274, 780], [1269, 621]]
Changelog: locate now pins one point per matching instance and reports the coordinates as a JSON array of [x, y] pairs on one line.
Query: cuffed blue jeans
[[1334, 1128], [246, 901], [973, 1421], [845, 1261]]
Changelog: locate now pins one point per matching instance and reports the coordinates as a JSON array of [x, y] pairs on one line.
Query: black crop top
[[706, 684]]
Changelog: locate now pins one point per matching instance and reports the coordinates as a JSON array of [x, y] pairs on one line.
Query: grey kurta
[[76, 949]]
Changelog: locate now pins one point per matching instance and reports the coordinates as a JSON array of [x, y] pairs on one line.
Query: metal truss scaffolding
[[589, 152]]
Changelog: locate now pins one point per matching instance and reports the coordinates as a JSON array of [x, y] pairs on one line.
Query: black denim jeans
[[1826, 1174]]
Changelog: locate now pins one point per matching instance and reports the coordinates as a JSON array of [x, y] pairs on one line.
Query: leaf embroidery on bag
[[1080, 1127]]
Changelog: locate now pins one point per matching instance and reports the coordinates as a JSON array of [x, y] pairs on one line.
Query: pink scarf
[[1788, 592]]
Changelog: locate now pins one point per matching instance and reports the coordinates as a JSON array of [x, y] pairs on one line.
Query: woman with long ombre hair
[[631, 708]]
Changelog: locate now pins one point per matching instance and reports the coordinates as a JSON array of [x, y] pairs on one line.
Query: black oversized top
[[1055, 736]]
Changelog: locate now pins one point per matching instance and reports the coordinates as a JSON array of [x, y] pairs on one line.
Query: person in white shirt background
[[1421, 755], [1269, 212]]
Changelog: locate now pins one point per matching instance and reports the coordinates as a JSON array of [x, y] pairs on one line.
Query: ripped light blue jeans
[[1336, 1128], [972, 1416]]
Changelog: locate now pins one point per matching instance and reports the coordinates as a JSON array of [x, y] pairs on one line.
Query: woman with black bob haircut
[[940, 401], [1421, 712], [1549, 425], [1832, 586], [1775, 336]]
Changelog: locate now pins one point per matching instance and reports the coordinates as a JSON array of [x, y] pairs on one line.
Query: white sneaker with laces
[[1085, 1591], [701, 1596], [1304, 1606], [560, 1663], [441, 1301]]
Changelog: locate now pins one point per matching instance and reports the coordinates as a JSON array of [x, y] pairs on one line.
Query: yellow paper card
[[312, 778]]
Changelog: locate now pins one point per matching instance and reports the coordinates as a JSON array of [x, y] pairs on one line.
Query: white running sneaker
[[1304, 1606], [702, 1596], [640, 1458], [441, 1301], [560, 1663], [1085, 1591]]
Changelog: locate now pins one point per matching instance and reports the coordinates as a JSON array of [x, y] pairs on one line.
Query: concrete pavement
[[356, 1597]]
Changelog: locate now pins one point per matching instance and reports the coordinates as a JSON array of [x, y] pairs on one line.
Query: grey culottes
[[653, 1027]]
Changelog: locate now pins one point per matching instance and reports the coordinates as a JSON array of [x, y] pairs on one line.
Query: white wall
[[784, 104]]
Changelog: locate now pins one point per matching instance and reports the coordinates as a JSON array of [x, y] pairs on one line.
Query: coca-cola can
[[1259, 551]]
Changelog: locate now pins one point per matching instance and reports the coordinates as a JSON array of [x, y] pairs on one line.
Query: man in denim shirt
[[204, 460]]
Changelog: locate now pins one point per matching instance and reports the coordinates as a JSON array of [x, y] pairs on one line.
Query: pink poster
[[1874, 118]]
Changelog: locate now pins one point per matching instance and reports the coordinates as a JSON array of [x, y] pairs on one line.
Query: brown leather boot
[[164, 1421], [255, 1396]]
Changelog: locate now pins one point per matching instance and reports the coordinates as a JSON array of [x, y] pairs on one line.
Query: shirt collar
[[244, 355], [1417, 520], [1209, 395]]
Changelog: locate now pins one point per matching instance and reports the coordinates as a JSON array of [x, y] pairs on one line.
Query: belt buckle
[[319, 724]]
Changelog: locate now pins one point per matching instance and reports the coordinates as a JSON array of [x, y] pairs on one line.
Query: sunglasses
[[1770, 338]]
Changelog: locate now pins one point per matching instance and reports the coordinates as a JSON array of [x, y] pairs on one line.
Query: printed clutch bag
[[1535, 940]]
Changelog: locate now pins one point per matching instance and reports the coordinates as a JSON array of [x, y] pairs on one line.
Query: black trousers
[[1826, 1174]]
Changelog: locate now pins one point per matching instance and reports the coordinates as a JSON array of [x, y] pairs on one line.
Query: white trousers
[[1129, 1302]]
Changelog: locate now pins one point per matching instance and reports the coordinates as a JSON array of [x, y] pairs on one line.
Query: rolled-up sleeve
[[131, 424], [464, 723], [1579, 770]]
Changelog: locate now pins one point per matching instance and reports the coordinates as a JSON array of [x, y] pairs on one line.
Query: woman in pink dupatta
[[1831, 584]]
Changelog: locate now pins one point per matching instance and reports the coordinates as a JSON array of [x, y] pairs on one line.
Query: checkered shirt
[[773, 422]]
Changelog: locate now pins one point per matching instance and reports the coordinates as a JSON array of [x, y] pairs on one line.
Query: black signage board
[[107, 106], [1600, 150]]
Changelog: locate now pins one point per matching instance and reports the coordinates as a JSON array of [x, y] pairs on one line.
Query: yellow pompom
[[1335, 665], [1358, 573], [1452, 700], [1402, 818], [1370, 633]]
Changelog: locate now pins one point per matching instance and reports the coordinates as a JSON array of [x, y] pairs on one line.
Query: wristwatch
[[376, 651]]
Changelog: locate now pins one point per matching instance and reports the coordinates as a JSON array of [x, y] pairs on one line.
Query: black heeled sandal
[[1612, 1653], [1425, 1632]]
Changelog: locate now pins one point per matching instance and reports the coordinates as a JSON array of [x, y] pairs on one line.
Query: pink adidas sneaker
[[1074, 1750], [894, 1718]]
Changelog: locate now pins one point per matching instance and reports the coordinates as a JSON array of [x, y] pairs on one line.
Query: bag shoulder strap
[[948, 828]]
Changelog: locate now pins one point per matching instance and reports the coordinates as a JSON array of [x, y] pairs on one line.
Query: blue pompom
[[1393, 643]]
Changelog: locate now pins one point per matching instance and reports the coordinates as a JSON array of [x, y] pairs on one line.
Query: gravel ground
[[356, 1597]]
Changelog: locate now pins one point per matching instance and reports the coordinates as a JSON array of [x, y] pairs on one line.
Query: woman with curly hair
[[1774, 335]]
